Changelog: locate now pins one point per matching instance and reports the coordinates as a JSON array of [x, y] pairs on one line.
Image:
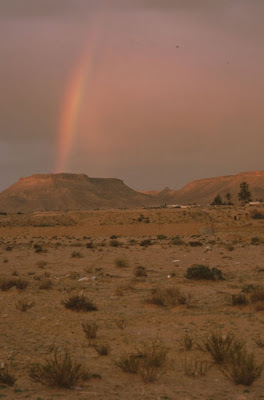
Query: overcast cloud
[[174, 89]]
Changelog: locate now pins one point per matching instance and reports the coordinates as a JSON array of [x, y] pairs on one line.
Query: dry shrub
[[242, 368], [200, 272], [6, 377], [76, 254], [121, 263], [257, 294], [259, 341], [24, 305], [220, 347], [195, 367], [102, 349], [239, 299], [90, 330], [168, 297], [60, 371], [149, 362], [7, 283], [79, 303], [121, 323], [140, 271], [187, 342]]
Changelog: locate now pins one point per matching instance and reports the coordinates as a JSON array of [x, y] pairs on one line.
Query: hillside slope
[[203, 191], [46, 192]]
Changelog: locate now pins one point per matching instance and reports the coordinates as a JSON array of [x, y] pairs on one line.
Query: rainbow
[[73, 99]]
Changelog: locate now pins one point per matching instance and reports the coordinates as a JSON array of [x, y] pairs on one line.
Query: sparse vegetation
[[241, 367], [195, 367], [167, 297], [145, 243], [115, 243], [79, 303], [59, 371], [221, 347], [121, 263], [90, 330], [140, 272], [6, 377], [200, 271], [239, 299], [45, 284], [7, 283], [24, 305], [102, 349], [76, 254]]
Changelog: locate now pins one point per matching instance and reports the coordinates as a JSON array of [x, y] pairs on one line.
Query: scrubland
[[132, 304]]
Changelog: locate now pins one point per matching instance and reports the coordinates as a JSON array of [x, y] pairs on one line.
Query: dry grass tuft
[[59, 371]]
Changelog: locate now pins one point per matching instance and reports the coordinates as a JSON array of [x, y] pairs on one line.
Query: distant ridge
[[48, 192], [203, 191], [63, 192]]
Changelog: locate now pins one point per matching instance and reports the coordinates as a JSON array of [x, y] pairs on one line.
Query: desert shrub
[[187, 342], [229, 247], [242, 368], [121, 263], [161, 237], [129, 363], [257, 294], [76, 254], [7, 283], [79, 303], [239, 299], [45, 284], [256, 214], [6, 377], [24, 305], [140, 271], [102, 349], [255, 240], [90, 330], [145, 243], [149, 362], [60, 371], [177, 241], [153, 358], [168, 297], [195, 243], [90, 245], [195, 367], [8, 248], [221, 347], [200, 271], [248, 288], [38, 248], [114, 237], [115, 243]]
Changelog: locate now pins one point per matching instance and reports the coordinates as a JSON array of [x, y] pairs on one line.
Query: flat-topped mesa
[[56, 177], [65, 191]]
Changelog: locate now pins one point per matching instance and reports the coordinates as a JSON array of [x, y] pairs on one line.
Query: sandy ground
[[124, 317]]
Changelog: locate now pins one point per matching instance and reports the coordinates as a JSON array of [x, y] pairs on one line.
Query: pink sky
[[174, 90]]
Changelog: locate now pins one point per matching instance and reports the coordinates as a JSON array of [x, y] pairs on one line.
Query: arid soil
[[41, 247]]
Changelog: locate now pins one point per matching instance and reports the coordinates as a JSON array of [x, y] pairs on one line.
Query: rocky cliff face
[[64, 192]]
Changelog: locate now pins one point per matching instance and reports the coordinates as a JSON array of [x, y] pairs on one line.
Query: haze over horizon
[[155, 92]]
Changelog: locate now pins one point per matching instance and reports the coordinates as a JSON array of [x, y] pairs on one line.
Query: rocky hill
[[203, 191], [69, 192]]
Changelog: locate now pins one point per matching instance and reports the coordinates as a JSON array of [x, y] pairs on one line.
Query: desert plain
[[98, 254]]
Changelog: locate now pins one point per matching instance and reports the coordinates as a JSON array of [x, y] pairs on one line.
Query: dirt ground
[[125, 319]]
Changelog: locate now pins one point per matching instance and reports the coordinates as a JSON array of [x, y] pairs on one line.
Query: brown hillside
[[69, 192], [203, 191]]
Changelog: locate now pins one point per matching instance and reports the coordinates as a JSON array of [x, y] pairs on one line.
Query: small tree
[[244, 195], [217, 201], [228, 196]]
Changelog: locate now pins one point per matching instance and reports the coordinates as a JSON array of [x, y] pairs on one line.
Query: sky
[[154, 92]]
